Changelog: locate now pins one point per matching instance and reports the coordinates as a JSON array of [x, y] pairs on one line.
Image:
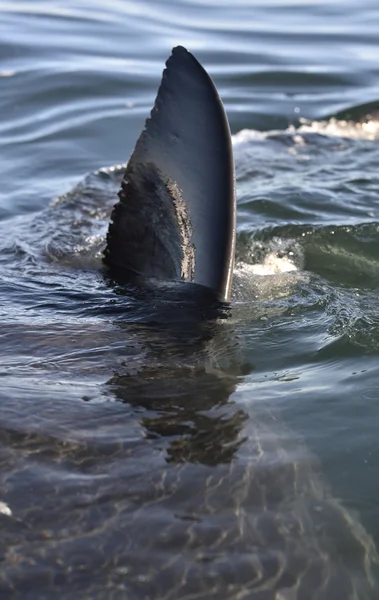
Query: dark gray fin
[[177, 210]]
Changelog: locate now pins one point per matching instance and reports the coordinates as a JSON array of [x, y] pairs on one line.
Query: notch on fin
[[176, 215]]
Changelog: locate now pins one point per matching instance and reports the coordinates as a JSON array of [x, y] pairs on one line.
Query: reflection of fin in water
[[176, 214], [230, 503]]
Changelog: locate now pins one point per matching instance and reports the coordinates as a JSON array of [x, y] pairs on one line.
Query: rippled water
[[149, 450]]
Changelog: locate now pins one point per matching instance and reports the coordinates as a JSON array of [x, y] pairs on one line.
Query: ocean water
[[149, 450]]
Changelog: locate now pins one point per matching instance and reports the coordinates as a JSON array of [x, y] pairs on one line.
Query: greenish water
[[146, 453]]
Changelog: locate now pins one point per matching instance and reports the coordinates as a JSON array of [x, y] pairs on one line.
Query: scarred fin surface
[[175, 218]]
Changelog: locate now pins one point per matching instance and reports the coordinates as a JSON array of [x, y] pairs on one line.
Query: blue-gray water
[[146, 452]]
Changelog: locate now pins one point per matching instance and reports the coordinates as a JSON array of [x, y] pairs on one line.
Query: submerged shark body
[[194, 489], [263, 525]]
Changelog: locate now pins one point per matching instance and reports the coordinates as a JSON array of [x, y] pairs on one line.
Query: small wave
[[333, 127], [366, 130]]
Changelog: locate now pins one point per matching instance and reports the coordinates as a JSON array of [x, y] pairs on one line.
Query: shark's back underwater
[[264, 526], [190, 490]]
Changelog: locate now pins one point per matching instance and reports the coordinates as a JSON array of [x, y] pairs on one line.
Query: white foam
[[246, 135], [367, 130], [272, 265], [5, 510]]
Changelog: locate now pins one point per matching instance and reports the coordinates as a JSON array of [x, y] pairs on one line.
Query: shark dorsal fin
[[176, 215]]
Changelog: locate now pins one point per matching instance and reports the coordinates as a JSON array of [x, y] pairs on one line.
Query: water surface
[[137, 435]]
